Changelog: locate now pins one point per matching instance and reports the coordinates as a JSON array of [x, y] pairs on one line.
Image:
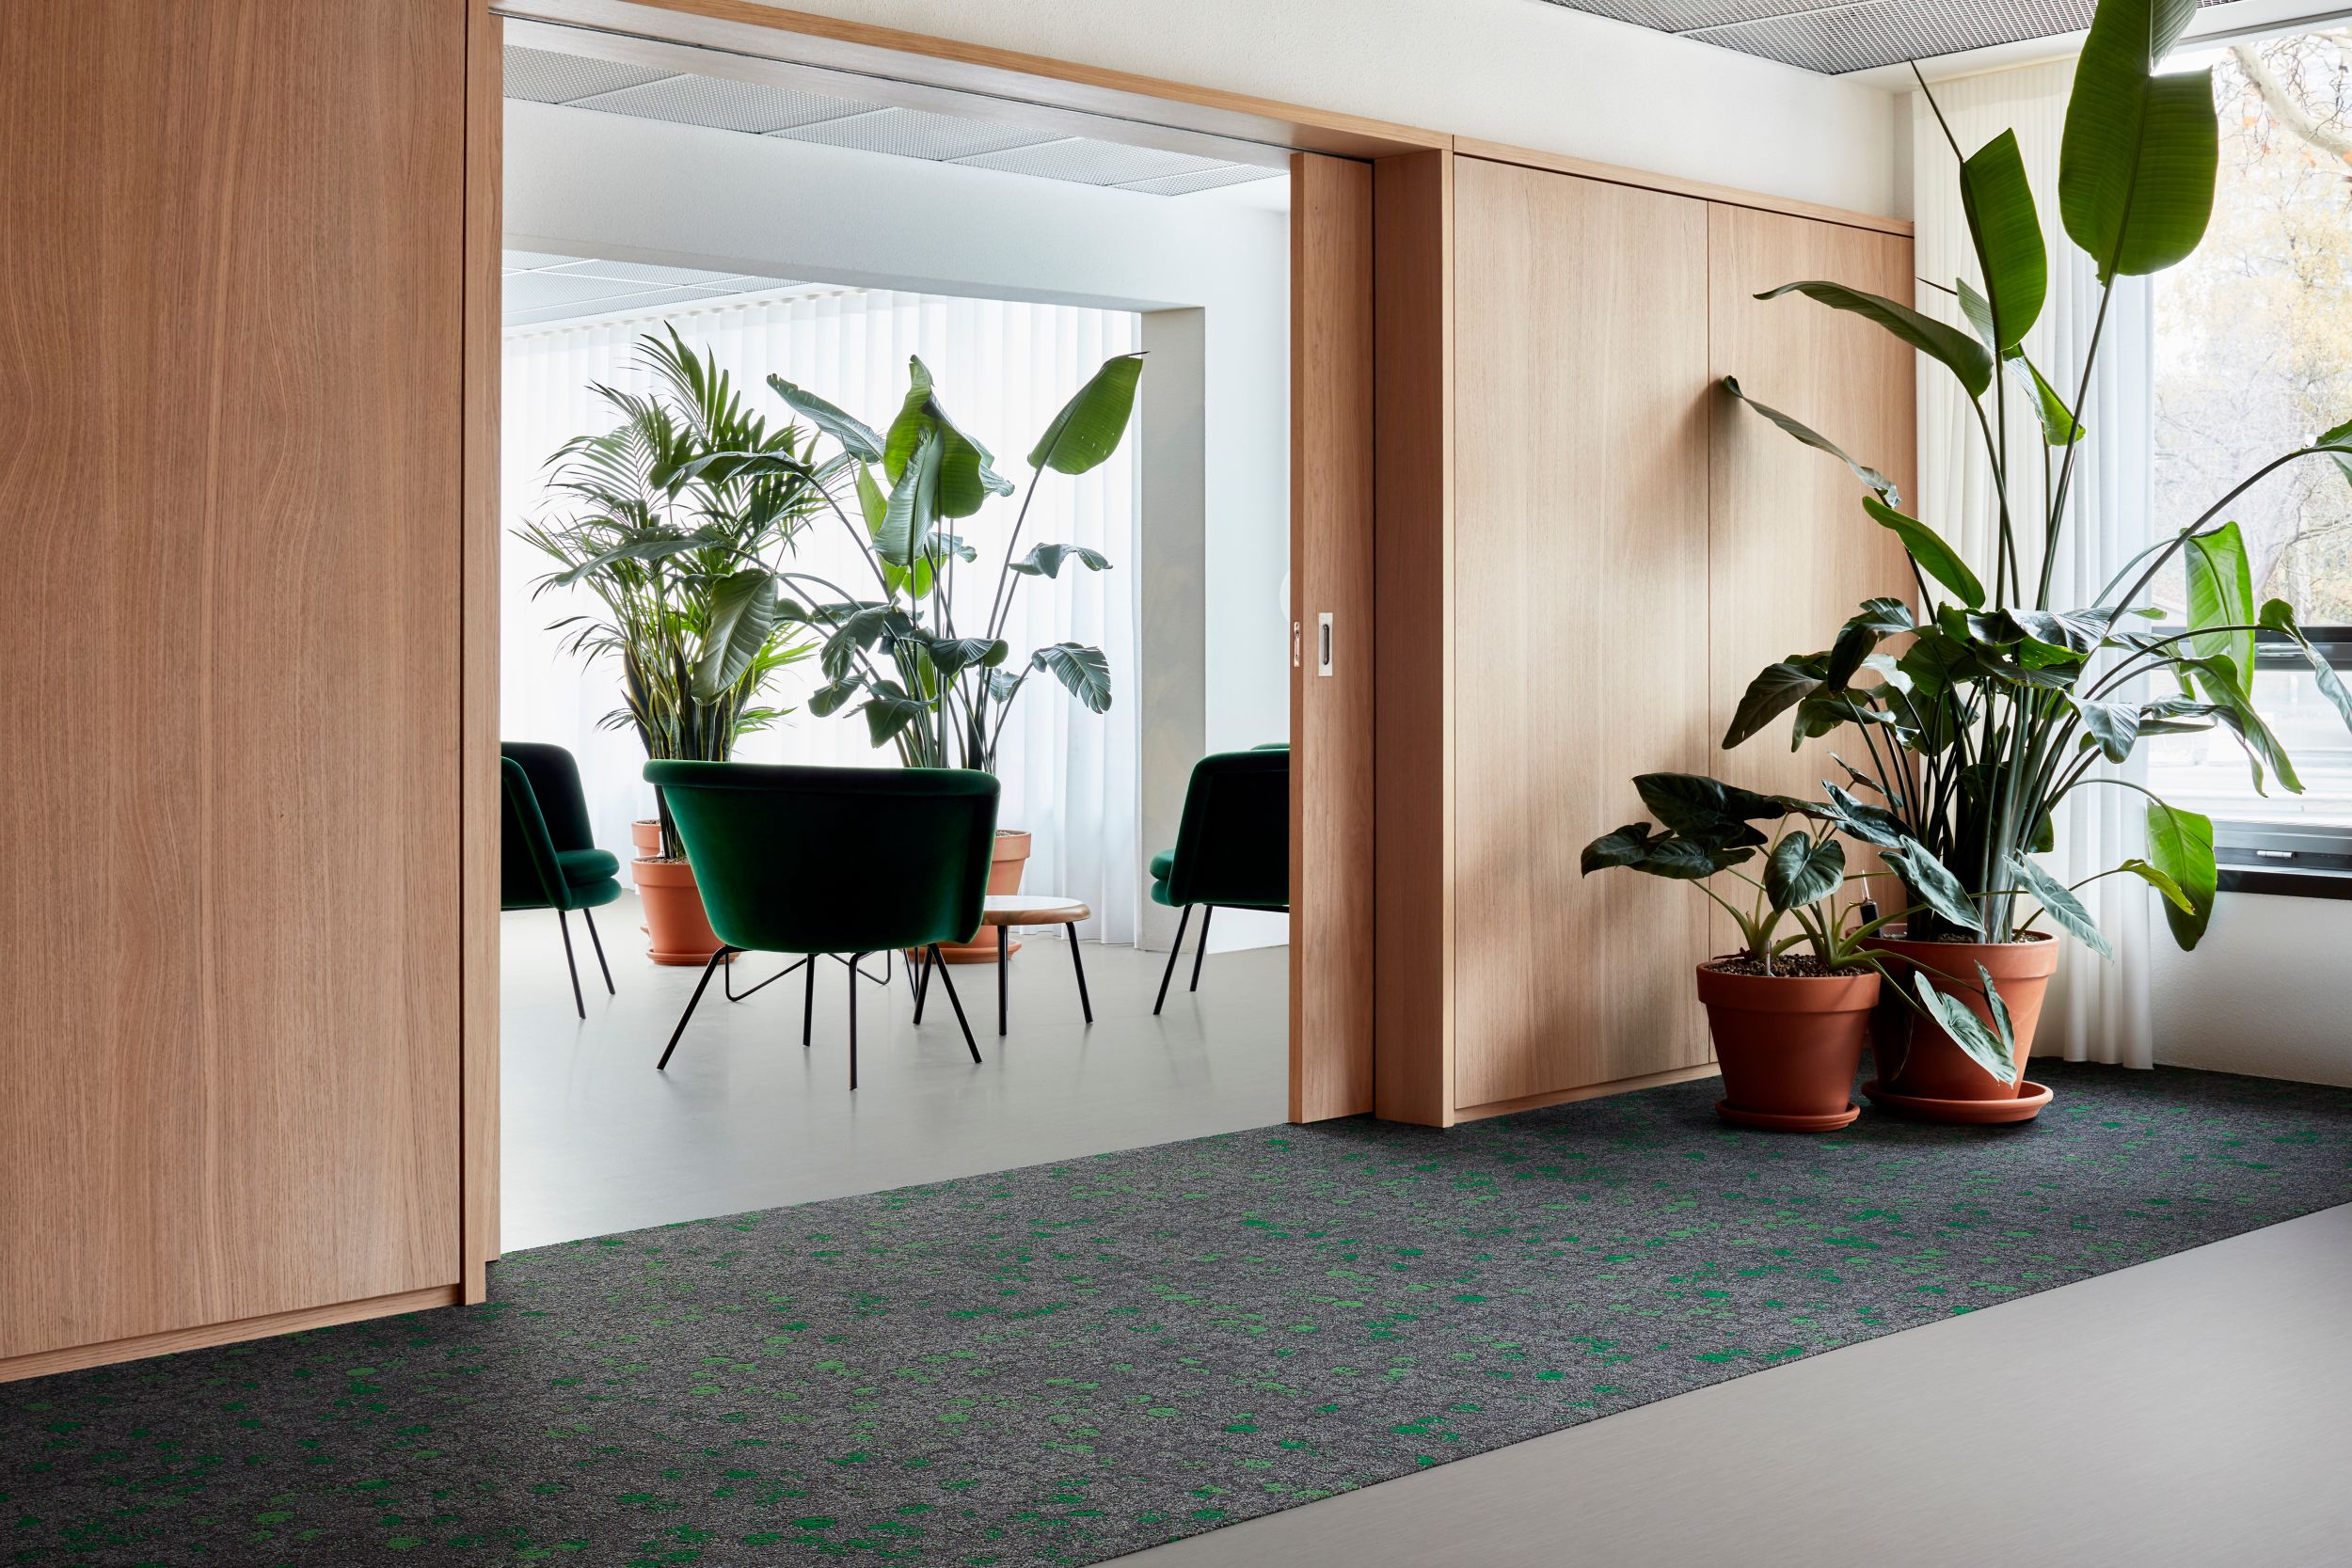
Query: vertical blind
[[1003, 369]]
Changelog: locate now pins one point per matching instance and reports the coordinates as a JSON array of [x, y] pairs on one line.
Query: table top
[[1032, 909]]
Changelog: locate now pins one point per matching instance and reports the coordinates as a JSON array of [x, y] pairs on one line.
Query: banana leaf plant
[[1707, 828], [1982, 708], [670, 549], [894, 651]]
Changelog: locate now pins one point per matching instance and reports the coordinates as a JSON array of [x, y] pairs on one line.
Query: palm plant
[[936, 691], [680, 556], [2002, 705]]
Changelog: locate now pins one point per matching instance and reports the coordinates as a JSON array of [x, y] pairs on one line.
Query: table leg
[[1069, 930], [1004, 952]]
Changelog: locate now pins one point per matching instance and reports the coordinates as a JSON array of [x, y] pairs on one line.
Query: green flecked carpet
[[1062, 1363]]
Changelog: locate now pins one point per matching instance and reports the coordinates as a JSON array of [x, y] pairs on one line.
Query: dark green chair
[[833, 863], [546, 859], [1233, 848]]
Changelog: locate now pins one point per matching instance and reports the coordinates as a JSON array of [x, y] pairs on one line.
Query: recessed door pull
[[1323, 644], [1294, 640]]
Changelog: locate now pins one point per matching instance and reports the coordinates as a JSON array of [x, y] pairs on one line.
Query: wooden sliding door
[[1792, 553], [1579, 621], [231, 288]]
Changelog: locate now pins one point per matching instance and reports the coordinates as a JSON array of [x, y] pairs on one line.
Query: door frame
[[1338, 295]]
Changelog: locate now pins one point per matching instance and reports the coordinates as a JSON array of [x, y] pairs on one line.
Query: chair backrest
[[555, 781], [1234, 844], [834, 860], [528, 878]]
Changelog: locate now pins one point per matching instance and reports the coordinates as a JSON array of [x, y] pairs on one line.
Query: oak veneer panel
[[1413, 413], [230, 317], [1792, 553], [1581, 399], [1331, 571]]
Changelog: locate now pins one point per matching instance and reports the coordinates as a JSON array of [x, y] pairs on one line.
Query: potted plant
[[676, 550], [915, 652], [1999, 704], [1790, 1014]]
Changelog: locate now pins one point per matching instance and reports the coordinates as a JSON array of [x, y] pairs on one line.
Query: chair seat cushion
[[1159, 889], [1162, 864], [583, 866]]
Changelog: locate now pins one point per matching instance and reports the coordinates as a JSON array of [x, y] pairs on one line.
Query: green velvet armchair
[[836, 863], [1232, 846], [546, 858]]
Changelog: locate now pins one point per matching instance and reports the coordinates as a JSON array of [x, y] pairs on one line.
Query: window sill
[[2286, 884]]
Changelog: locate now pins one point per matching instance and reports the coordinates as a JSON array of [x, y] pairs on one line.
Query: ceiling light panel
[[723, 106], [1092, 162], [544, 76], [914, 134]]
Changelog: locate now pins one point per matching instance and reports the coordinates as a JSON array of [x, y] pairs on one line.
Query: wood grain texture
[[1580, 396], [1706, 191], [230, 320], [1413, 414], [746, 26], [1587, 1091], [1792, 553], [477, 681], [1331, 571], [106, 1352]]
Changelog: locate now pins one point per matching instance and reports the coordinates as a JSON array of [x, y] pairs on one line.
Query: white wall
[[2266, 992], [586, 183], [1521, 72]]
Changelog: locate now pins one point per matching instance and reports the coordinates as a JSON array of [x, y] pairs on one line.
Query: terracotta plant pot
[[646, 833], [1006, 864], [675, 922], [1789, 1046], [1919, 1062]]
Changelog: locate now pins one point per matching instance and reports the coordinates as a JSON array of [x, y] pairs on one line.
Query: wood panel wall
[[1581, 619], [1331, 571], [231, 241]]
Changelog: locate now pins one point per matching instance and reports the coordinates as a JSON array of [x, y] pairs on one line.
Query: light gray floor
[[2193, 1411], [595, 1141]]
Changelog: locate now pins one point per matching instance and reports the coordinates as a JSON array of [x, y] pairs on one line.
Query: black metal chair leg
[[923, 983], [1175, 947], [590, 917], [1004, 963], [564, 925], [853, 958], [808, 1004], [956, 1002], [1070, 932], [1208, 913], [700, 986]]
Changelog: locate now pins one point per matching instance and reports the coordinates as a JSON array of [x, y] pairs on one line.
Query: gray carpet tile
[[1062, 1363]]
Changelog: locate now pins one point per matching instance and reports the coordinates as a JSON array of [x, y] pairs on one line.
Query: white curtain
[[1003, 369], [2097, 1011]]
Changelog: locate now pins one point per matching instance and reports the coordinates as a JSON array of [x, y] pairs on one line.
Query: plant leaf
[[1092, 425], [1046, 559], [1083, 669], [1626, 846], [2222, 593], [1937, 888], [1869, 476], [1990, 1050], [2113, 727], [2162, 883], [913, 509], [2180, 845], [1959, 353], [2279, 617], [1705, 808], [743, 618], [2060, 902], [1803, 870], [1998, 204], [1773, 692], [857, 438], [2057, 422], [1935, 558], [2137, 159]]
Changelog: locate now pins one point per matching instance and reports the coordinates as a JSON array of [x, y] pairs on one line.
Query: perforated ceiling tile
[[532, 260], [546, 77], [721, 104], [914, 133], [643, 273], [531, 291], [1203, 180], [1092, 162], [1834, 36]]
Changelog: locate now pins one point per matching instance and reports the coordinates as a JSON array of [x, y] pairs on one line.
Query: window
[[2253, 356]]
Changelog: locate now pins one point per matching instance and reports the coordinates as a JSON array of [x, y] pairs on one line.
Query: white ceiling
[[652, 92], [541, 288]]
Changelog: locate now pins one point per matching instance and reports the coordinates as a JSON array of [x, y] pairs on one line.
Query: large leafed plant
[[1999, 704]]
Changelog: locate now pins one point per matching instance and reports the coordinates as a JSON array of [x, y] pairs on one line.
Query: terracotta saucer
[[1771, 1121], [2031, 1097]]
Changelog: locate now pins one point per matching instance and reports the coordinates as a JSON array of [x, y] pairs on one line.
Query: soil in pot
[[676, 925], [1916, 1059], [1789, 1043]]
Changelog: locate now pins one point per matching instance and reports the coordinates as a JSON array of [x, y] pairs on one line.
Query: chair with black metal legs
[[1233, 846], [546, 859], [839, 862]]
